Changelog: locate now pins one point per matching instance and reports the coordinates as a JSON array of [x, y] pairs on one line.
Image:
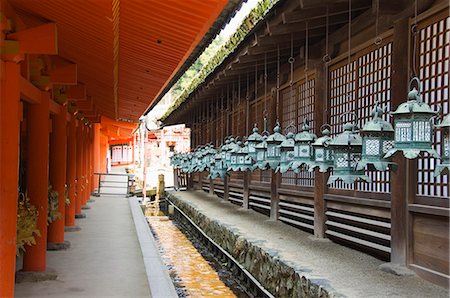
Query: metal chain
[[414, 33], [256, 92], [278, 83], [349, 48]]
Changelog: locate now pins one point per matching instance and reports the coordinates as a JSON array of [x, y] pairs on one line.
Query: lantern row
[[347, 155]]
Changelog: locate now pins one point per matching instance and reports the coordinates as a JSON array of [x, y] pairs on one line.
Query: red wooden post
[[96, 158], [71, 172], [34, 258], [10, 114], [79, 171], [58, 162]]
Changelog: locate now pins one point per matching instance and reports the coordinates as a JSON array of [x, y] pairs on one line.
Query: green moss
[[248, 24]]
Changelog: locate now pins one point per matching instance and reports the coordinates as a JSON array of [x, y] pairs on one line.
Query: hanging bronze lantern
[[378, 138], [261, 154], [218, 169], [240, 159], [208, 154], [234, 149], [273, 147], [253, 140], [287, 153], [444, 167], [413, 126], [323, 155], [303, 151], [347, 148]]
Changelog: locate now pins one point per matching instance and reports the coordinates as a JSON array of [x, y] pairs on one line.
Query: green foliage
[[197, 66], [27, 230], [248, 23], [53, 204]]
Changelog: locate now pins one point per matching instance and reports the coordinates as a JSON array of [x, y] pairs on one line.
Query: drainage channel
[[234, 275]]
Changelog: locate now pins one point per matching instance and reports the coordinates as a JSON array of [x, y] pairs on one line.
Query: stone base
[[91, 201], [396, 269], [58, 246], [317, 239], [24, 276], [72, 229], [80, 215], [96, 195], [85, 207]]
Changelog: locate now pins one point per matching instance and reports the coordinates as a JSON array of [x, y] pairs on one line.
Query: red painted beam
[[29, 92], [37, 40]]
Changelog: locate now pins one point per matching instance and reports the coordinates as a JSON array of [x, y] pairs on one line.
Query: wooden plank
[[363, 220], [365, 210], [431, 210], [296, 223], [259, 205], [296, 214], [358, 241], [267, 201], [435, 277], [358, 201], [295, 193], [358, 230], [299, 207]]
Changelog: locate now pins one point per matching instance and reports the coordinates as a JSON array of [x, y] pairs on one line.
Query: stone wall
[[279, 277]]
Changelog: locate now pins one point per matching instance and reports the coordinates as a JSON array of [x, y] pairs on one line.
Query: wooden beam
[[64, 75], [29, 92], [76, 92], [320, 12], [55, 108], [312, 24], [37, 40]]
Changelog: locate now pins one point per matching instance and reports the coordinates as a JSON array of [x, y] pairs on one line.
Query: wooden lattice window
[[354, 87], [433, 53], [298, 104]]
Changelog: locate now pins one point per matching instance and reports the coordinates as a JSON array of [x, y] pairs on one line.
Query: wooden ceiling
[[125, 50], [285, 28]]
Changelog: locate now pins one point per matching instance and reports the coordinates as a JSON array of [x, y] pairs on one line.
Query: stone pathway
[[104, 260], [347, 271]]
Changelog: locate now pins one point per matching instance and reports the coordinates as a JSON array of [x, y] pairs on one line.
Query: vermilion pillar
[[103, 148], [34, 258], [96, 155], [86, 165], [10, 111], [83, 164], [71, 172], [79, 193], [58, 156]]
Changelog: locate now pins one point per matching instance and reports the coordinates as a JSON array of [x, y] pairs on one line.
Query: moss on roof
[[256, 14]]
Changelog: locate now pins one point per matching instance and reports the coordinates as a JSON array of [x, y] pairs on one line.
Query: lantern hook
[[355, 119], [290, 126]]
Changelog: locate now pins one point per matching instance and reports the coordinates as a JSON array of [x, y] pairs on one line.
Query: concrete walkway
[[351, 273], [104, 260]]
